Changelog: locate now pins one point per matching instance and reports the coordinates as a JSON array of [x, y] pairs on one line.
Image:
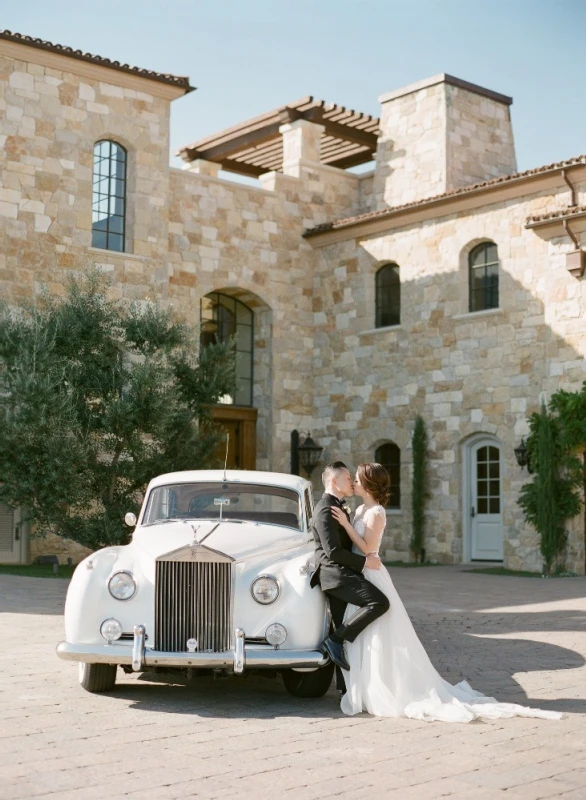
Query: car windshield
[[240, 502]]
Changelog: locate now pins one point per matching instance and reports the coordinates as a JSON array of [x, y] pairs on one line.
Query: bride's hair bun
[[376, 481]]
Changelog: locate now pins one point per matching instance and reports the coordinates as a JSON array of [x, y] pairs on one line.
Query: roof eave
[[473, 198], [47, 54]]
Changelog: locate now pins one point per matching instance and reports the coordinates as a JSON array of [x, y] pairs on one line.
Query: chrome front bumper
[[240, 658]]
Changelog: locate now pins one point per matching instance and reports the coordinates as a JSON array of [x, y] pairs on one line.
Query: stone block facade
[[441, 134], [320, 362], [465, 373]]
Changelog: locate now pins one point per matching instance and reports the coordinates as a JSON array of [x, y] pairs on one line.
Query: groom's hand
[[372, 561]]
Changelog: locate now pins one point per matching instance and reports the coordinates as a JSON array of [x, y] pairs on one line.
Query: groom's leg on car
[[337, 609], [371, 602]]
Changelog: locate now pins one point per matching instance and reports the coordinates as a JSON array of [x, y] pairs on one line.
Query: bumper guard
[[240, 658]]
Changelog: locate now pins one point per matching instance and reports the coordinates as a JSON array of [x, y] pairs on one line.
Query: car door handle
[[472, 512]]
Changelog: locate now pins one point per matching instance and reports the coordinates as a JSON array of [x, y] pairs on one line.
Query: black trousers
[[371, 602]]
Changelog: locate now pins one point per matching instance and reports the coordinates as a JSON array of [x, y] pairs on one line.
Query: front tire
[[97, 678], [308, 684]]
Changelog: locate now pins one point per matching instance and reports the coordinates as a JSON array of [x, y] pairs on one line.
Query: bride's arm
[[360, 543], [375, 520]]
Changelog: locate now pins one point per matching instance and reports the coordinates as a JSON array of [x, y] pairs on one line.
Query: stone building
[[442, 282]]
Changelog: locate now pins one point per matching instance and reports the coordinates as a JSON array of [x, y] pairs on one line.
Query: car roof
[[233, 476]]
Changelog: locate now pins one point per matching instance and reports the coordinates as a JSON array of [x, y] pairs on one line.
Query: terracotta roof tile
[[380, 214], [173, 80], [564, 213]]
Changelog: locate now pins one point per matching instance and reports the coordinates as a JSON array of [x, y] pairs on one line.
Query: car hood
[[237, 540]]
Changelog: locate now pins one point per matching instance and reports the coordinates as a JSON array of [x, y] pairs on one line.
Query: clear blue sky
[[249, 56]]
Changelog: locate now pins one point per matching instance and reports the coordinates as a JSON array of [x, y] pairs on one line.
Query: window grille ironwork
[[109, 196], [222, 318], [388, 296], [483, 277], [488, 480]]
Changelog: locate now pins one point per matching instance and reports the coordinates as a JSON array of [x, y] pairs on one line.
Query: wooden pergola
[[255, 147]]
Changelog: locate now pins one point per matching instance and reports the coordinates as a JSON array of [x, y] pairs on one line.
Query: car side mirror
[[130, 519]]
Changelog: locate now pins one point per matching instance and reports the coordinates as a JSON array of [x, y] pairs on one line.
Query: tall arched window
[[389, 455], [388, 296], [224, 317], [483, 276], [109, 196]]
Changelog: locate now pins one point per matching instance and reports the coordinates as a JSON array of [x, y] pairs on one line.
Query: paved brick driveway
[[523, 640]]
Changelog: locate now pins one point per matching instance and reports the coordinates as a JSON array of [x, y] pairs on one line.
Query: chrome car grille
[[193, 600]]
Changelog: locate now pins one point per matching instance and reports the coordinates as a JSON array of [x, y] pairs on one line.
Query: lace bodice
[[361, 521]]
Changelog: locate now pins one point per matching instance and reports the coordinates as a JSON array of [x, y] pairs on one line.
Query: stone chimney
[[441, 134]]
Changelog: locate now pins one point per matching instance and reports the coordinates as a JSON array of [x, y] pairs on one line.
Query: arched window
[[483, 276], [109, 196], [224, 317], [388, 296], [389, 455]]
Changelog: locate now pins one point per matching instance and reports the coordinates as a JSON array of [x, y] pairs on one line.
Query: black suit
[[339, 573]]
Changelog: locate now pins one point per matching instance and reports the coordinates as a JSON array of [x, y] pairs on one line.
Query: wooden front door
[[240, 424]]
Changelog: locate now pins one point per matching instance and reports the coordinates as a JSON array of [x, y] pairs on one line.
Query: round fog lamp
[[111, 630], [265, 589], [122, 585], [276, 634]]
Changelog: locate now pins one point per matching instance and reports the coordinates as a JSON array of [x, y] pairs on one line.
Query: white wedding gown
[[391, 674]]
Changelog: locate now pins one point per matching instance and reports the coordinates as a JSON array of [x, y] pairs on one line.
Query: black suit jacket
[[334, 560]]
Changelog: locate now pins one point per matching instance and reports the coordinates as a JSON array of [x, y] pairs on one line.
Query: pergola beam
[[255, 147]]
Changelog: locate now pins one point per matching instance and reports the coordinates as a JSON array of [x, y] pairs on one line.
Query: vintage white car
[[216, 578]]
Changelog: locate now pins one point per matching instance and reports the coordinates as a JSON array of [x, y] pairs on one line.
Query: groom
[[339, 571]]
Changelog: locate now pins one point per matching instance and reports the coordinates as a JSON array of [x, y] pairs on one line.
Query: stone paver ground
[[521, 640]]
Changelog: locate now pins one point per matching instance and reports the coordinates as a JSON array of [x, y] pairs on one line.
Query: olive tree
[[98, 396]]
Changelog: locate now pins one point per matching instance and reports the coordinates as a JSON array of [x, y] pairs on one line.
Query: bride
[[390, 672]]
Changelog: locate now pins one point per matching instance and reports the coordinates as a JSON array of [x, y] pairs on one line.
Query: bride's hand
[[340, 517]]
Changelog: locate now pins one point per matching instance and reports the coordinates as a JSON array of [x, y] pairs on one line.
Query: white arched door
[[485, 507]]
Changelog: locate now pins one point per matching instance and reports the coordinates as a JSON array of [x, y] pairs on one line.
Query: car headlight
[[111, 630], [265, 589], [276, 634], [122, 585]]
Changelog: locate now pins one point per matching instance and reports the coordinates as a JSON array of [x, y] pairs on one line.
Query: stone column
[[301, 145], [438, 135], [202, 167]]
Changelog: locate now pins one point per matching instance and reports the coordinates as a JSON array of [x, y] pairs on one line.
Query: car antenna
[[226, 460]]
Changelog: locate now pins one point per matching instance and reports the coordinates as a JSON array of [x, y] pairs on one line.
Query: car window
[[243, 502]]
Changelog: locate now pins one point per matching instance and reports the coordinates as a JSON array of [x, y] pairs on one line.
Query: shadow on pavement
[[233, 698]]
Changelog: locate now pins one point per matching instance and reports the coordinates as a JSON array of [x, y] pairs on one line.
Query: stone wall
[[320, 365], [57, 545], [438, 135], [465, 373], [479, 134], [51, 120], [246, 241]]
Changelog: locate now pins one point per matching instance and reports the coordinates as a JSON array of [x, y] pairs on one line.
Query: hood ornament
[[191, 645], [195, 543]]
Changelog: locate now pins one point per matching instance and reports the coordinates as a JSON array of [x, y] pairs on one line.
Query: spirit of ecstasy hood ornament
[[195, 543]]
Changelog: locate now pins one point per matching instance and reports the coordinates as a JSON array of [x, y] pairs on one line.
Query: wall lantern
[[522, 456], [306, 454]]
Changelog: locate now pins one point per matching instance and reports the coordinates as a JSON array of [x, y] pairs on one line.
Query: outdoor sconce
[[307, 454], [522, 456]]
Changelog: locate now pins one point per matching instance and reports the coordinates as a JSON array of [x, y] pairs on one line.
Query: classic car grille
[[193, 601]]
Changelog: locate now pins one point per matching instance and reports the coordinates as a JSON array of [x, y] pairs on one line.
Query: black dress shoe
[[335, 650]]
